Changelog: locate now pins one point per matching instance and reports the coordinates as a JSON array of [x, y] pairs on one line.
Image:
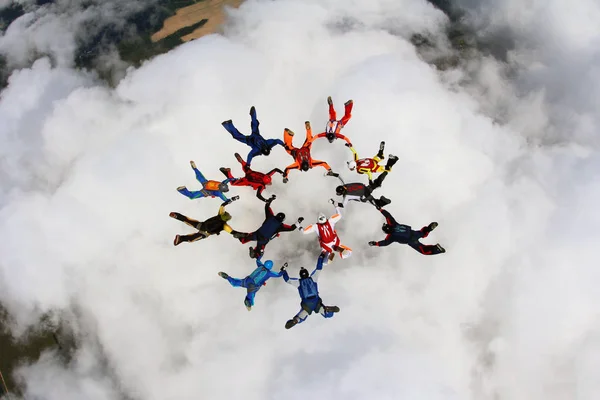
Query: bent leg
[[196, 194], [193, 237], [328, 311], [425, 249], [332, 114], [319, 163], [237, 135], [180, 217], [347, 112], [288, 137], [378, 181], [254, 121], [235, 282]]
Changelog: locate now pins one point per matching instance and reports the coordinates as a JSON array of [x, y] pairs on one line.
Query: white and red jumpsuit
[[328, 237]]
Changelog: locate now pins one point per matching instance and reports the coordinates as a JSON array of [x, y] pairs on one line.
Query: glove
[[372, 243], [273, 197], [332, 201], [283, 267], [348, 145], [300, 219], [234, 198]]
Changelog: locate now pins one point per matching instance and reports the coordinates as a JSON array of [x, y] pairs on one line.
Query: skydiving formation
[[273, 224]]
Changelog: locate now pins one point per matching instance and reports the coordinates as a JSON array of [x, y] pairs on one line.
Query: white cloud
[[90, 176]]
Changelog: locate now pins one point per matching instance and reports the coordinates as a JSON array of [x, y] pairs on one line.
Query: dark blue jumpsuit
[[405, 235], [259, 144], [267, 231]]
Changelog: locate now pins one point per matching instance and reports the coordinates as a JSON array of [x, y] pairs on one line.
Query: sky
[[503, 154]]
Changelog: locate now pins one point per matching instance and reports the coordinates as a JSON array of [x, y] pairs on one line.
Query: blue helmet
[[268, 264]]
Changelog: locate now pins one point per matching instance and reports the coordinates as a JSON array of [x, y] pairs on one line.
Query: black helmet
[[280, 217], [330, 136], [341, 190], [304, 165], [387, 228], [266, 151], [303, 273]]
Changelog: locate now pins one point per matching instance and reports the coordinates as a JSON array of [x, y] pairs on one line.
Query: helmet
[[386, 228], [225, 216], [341, 190], [304, 165], [330, 136], [223, 187], [280, 217], [266, 151], [268, 264], [303, 273], [351, 165], [322, 218]]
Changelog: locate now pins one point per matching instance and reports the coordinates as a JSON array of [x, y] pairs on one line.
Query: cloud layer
[[509, 312]]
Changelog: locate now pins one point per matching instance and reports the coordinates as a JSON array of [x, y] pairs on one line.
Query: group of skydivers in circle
[[274, 222]]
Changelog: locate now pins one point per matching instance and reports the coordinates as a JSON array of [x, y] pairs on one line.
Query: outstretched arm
[[259, 194], [274, 142], [226, 203], [388, 217], [382, 243], [315, 274], [268, 210], [354, 153], [287, 228], [275, 170], [292, 281]]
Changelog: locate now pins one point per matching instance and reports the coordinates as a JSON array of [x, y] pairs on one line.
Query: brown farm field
[[211, 10]]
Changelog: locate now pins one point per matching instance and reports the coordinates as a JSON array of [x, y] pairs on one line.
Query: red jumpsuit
[[257, 180]]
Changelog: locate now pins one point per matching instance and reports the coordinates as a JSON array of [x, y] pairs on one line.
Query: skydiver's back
[[308, 289], [402, 233], [259, 275], [213, 225]]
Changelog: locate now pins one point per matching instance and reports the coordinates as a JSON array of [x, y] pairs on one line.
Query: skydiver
[[270, 228], [210, 188], [403, 234], [302, 157], [334, 126], [328, 237], [371, 165], [254, 281], [257, 180], [309, 293], [211, 226], [259, 145], [361, 192]]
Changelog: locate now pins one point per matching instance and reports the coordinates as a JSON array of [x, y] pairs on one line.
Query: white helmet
[[322, 218], [351, 165]]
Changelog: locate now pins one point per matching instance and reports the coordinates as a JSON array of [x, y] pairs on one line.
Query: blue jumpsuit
[[197, 194], [254, 281], [309, 293], [259, 144], [405, 235]]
